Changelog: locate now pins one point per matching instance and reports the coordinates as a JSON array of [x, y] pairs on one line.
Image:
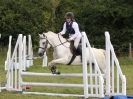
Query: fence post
[[45, 60], [130, 50], [84, 66], [107, 88]]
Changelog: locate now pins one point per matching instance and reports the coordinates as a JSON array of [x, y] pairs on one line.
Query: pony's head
[[51, 39], [43, 44]]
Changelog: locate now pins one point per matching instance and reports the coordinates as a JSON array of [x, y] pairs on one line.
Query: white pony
[[62, 53]]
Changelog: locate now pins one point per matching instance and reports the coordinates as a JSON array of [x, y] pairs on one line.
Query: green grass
[[126, 65]]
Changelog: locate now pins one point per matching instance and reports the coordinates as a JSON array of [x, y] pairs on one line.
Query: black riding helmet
[[69, 15]]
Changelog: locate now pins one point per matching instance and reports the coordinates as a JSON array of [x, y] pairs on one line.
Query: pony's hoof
[[58, 73]]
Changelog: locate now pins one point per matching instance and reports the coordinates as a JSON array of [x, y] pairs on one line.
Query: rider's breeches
[[76, 42]]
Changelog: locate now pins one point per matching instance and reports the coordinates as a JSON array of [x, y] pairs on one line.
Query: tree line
[[94, 17]]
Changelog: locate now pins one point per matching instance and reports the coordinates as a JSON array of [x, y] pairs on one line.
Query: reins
[[61, 43]]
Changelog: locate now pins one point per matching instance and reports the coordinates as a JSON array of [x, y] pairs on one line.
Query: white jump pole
[[107, 64], [24, 54], [30, 51], [84, 66], [45, 60], [20, 62], [7, 62]]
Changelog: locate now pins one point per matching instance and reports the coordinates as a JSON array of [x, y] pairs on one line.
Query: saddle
[[75, 52]]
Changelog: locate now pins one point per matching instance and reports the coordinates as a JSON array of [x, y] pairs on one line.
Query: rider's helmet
[[69, 15]]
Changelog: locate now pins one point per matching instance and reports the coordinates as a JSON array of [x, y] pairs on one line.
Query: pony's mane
[[50, 33]]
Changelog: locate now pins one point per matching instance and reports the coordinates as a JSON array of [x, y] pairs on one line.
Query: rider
[[71, 29]]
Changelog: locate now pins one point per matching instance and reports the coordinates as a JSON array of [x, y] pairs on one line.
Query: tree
[[94, 17]]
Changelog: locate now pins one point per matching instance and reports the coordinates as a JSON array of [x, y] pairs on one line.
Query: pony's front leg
[[53, 62], [58, 61]]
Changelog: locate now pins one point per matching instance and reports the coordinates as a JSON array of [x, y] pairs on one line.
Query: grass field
[[126, 65]]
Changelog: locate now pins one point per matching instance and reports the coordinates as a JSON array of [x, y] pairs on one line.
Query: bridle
[[47, 42]]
